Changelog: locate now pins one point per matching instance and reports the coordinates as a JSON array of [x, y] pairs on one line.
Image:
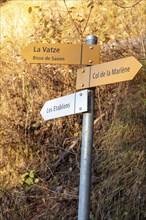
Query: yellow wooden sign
[[106, 73], [61, 53]]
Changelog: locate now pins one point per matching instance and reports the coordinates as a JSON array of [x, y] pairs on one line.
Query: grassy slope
[[31, 147]]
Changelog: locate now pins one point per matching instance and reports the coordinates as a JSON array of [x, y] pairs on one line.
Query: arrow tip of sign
[[136, 60]]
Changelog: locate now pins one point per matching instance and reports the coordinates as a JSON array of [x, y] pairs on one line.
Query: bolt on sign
[[65, 105], [62, 53], [107, 73]]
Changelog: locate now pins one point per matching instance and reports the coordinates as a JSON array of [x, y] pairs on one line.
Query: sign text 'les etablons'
[[65, 105]]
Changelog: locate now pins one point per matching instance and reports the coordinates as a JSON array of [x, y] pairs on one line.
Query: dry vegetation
[[39, 161]]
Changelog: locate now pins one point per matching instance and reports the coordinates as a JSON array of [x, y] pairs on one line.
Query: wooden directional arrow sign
[[106, 73], [66, 105], [61, 53]]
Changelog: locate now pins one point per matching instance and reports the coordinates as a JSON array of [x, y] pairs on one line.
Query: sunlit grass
[[30, 144]]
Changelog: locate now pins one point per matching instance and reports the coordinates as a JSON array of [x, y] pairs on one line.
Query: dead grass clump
[[119, 159], [119, 193]]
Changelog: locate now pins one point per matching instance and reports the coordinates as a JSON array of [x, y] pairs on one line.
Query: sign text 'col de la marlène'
[[106, 73], [62, 53]]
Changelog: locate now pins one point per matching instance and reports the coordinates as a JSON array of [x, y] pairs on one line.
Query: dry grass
[[30, 145]]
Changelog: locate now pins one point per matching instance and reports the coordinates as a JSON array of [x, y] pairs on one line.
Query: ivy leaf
[[29, 181], [43, 35], [23, 176], [31, 174], [71, 9], [45, 23], [82, 20], [36, 180], [35, 125], [29, 10], [90, 4]]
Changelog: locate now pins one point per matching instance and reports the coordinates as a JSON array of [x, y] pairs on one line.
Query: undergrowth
[[40, 161]]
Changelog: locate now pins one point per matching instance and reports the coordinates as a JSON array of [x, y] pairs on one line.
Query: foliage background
[[39, 161]]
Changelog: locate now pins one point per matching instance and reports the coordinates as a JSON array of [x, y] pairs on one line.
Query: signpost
[[86, 152], [61, 53], [107, 73], [83, 101], [66, 105]]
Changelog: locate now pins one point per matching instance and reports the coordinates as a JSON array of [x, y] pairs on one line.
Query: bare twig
[[91, 7], [78, 30], [99, 118], [131, 6], [66, 153], [99, 106]]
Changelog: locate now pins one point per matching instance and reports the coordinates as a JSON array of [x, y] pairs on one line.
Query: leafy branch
[[91, 7], [81, 32]]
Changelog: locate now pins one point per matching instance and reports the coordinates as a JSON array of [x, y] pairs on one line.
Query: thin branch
[[78, 30], [73, 144], [91, 7], [121, 6], [99, 106]]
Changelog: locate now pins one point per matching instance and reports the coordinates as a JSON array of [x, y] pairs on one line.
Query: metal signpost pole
[[86, 153]]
